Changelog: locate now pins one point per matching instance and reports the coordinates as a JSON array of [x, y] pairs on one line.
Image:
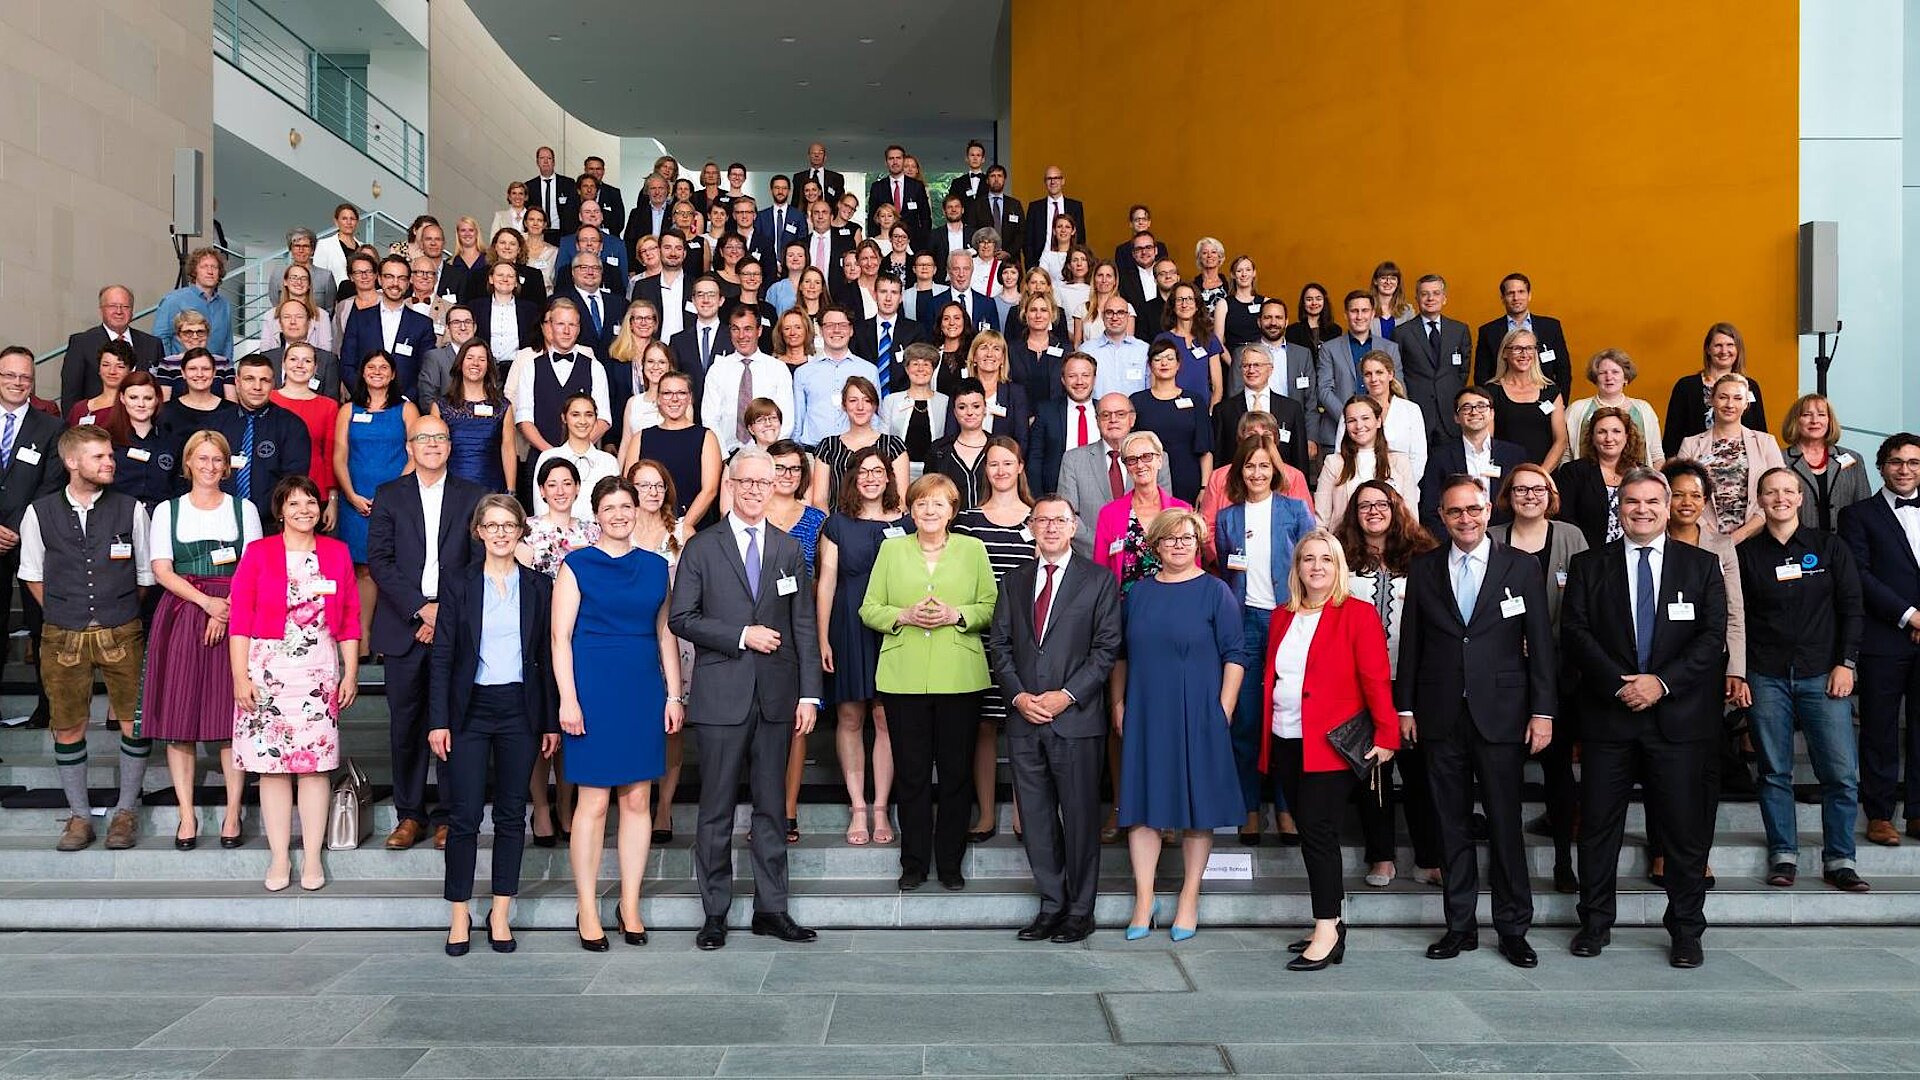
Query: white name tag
[[1547, 406], [1183, 403], [1117, 546], [28, 454], [1560, 578], [691, 309], [562, 199], [223, 556], [449, 298], [136, 454], [1491, 472], [1681, 612], [1286, 436], [1199, 353], [483, 409], [1135, 374], [1304, 382], [764, 321], [786, 586], [313, 384], [1053, 350], [238, 461], [363, 418], [893, 532], [325, 587], [1456, 359], [121, 550], [997, 409], [1253, 309], [1787, 572], [1847, 460], [793, 228], [1548, 356], [1512, 606], [913, 205], [611, 260], [1237, 561], [403, 348], [87, 419], [1026, 534], [440, 328]]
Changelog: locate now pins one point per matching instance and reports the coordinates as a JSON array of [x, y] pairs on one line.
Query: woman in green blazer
[[930, 597]]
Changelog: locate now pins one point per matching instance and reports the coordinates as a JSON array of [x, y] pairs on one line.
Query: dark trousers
[[1562, 792], [30, 615], [1883, 682], [1453, 765], [758, 747], [1415, 798], [1057, 783], [1675, 777], [933, 733], [1318, 800], [498, 740], [409, 683], [1249, 723]]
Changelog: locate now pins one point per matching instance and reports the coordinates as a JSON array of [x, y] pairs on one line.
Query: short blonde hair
[[1173, 517], [201, 438], [1618, 356], [1142, 435], [935, 484], [1297, 589]]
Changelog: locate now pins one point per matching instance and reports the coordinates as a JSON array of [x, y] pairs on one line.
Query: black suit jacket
[[397, 549], [1546, 329], [1689, 656], [80, 368], [1011, 223], [567, 197], [456, 649], [639, 223], [1583, 499], [1291, 414], [613, 308], [1081, 645], [526, 316], [1047, 441], [866, 343], [836, 184], [1040, 230], [1123, 252], [23, 481], [613, 206], [1448, 457], [1496, 671], [1432, 379], [1889, 577], [916, 213], [685, 348]]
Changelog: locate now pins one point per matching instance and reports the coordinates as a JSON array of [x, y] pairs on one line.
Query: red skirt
[[189, 691]]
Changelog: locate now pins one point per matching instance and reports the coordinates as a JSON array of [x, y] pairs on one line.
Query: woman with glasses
[[1178, 416], [764, 421], [361, 292], [1120, 530], [690, 452], [369, 449], [1526, 405], [658, 529], [191, 329], [1202, 359], [788, 509], [917, 416]]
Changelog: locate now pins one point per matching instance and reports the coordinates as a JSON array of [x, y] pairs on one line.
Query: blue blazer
[[1889, 577], [1448, 457], [1290, 520], [410, 345], [1011, 398], [1047, 444], [980, 307], [763, 230]]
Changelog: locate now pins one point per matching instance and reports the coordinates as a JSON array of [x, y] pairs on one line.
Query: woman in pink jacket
[[1120, 531]]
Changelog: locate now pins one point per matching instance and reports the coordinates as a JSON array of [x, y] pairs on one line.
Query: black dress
[[1523, 422], [1243, 321], [1690, 411], [1185, 432], [679, 450]]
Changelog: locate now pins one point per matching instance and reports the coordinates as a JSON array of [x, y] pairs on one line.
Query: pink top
[[259, 595], [1110, 531]]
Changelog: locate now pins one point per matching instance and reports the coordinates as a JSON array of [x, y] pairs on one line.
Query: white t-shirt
[[1258, 545], [592, 465]]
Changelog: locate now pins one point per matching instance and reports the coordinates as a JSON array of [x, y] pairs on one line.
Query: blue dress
[[616, 669], [807, 531], [856, 649], [476, 444], [376, 453], [1176, 758]]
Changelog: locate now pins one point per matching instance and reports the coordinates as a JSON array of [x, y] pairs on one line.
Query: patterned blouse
[[551, 543], [1727, 466]]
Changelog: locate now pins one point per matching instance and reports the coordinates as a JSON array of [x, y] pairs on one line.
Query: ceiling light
[[788, 40], [803, 82], [866, 41], [553, 37]]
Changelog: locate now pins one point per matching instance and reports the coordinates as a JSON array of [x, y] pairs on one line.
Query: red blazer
[[259, 593], [1347, 671]]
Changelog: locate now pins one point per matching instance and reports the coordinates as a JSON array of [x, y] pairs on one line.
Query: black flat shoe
[[1336, 955], [781, 925], [911, 880], [663, 836], [983, 837], [1587, 944], [502, 945], [713, 934], [1250, 839], [1518, 952], [952, 882], [1041, 928], [1686, 954], [1452, 944], [632, 937], [599, 944], [1289, 839], [1073, 928]]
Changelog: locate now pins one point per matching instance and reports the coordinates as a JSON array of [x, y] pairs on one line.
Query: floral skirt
[[295, 727]]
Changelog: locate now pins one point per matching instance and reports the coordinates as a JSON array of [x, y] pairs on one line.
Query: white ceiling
[[756, 80]]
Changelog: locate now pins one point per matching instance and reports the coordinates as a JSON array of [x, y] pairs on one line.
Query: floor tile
[[1318, 1059], [1526, 1058], [109, 1065], [985, 972], [1722, 1057], [331, 1063], [1304, 1015], [463, 1063], [644, 971], [928, 1018], [1876, 1056], [1261, 970], [1681, 1015], [1837, 969], [1046, 1059], [598, 1020], [144, 977], [270, 1022], [81, 1024], [1644, 969], [822, 1061]]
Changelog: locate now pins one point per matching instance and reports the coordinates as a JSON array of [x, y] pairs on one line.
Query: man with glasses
[[601, 308], [80, 368], [267, 441], [423, 275], [1257, 394], [436, 368], [1134, 262], [817, 385], [1042, 211], [704, 337], [1516, 293], [1475, 452], [740, 373], [1055, 636], [1120, 359], [1433, 356], [1093, 476], [1476, 689], [390, 326], [591, 241], [30, 467], [1139, 223], [408, 551], [1883, 532]]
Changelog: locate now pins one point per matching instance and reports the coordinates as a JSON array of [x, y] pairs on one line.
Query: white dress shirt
[[1909, 520], [672, 304], [1290, 673], [33, 544], [432, 497], [503, 330], [390, 324], [521, 393], [740, 542], [1075, 409], [1477, 568], [1659, 560], [1059, 565], [720, 402]]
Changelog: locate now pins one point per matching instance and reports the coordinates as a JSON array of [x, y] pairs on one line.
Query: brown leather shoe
[[77, 834], [122, 830], [440, 838], [405, 835], [1880, 831]]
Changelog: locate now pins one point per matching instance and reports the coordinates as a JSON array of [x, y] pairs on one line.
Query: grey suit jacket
[[1336, 381], [1432, 380], [436, 370], [1083, 483], [711, 607], [326, 368], [1081, 645]]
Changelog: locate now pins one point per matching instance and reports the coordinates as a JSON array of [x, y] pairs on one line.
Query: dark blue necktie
[[244, 486], [884, 362], [1643, 614]]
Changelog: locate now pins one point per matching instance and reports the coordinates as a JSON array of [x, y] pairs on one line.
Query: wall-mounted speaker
[[188, 185], [1819, 277]]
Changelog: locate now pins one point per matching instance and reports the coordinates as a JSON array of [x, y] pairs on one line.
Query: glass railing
[[271, 54]]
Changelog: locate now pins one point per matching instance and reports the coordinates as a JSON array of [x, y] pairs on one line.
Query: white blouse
[[1290, 673], [1405, 426], [197, 524]]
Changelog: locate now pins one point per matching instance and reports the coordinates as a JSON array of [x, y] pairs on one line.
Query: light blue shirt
[[1120, 367], [218, 311], [781, 295], [816, 395], [499, 633]]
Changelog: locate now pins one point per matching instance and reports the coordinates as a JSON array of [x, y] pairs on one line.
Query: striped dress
[[1008, 546]]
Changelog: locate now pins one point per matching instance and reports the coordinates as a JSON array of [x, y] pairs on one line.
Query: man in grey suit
[[1091, 477], [436, 368], [1435, 352], [1338, 372], [742, 597], [294, 325], [1054, 638]]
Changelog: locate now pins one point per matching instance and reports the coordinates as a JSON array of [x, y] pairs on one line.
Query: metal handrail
[[262, 47]]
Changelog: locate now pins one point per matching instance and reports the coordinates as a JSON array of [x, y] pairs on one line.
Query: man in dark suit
[[981, 311], [1644, 626], [80, 368], [268, 437], [1474, 452], [1151, 313], [825, 244], [1258, 394], [418, 532], [1042, 211], [1476, 689], [970, 185], [780, 222], [832, 184], [653, 216], [1000, 209], [1055, 636], [1433, 357], [601, 308], [1063, 423], [1878, 530], [613, 206], [742, 599], [1556, 361], [1137, 284], [954, 232], [554, 193], [437, 367], [908, 196], [30, 467], [889, 325], [704, 336], [390, 326], [1140, 222]]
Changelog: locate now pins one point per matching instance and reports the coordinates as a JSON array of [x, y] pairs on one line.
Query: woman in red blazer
[[1326, 661]]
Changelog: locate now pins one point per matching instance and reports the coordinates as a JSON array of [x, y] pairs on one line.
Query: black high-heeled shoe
[[599, 944], [1336, 955], [459, 948], [549, 840], [501, 945], [632, 937], [237, 840]]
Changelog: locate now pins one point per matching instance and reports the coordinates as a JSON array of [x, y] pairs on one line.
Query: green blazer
[[948, 660]]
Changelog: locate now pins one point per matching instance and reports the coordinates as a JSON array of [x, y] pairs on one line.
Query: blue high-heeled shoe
[[1135, 933], [1182, 933]]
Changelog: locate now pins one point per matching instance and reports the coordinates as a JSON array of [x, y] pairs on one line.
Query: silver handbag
[[350, 813]]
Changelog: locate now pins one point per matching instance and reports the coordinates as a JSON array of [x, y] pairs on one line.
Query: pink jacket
[[260, 590], [1111, 528]]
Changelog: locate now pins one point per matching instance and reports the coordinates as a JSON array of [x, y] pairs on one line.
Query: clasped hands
[[930, 613], [1042, 708]]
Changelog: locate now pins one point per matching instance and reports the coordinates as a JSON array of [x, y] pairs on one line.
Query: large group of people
[[604, 478]]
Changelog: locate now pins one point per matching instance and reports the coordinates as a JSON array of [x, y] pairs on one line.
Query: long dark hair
[[847, 500], [361, 394], [1405, 536], [489, 382]]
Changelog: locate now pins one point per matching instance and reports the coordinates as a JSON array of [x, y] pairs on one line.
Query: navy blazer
[[1011, 398], [981, 309], [613, 308], [1039, 373], [1889, 576], [397, 549], [410, 345], [456, 650], [796, 230], [1289, 519], [1047, 441], [1448, 457], [1494, 671], [916, 212]]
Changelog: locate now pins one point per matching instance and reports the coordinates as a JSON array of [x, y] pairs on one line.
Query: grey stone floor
[[1770, 1002]]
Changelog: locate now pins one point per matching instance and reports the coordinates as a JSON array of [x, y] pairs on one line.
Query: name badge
[[27, 454], [1456, 359], [1199, 353], [1304, 382], [893, 532], [136, 454], [1547, 406], [1491, 472], [238, 461], [691, 310], [1787, 572], [1026, 534], [1680, 611], [1053, 350], [403, 348], [1513, 606], [313, 384], [611, 260], [325, 587], [792, 228], [1560, 578], [997, 409], [223, 556], [120, 550], [87, 419], [984, 325], [440, 328], [1012, 217], [786, 586], [1253, 309], [561, 199], [1183, 403], [913, 205], [764, 321], [1847, 461], [483, 409], [1117, 546], [1548, 356], [1237, 561], [449, 298], [363, 418], [1135, 374]]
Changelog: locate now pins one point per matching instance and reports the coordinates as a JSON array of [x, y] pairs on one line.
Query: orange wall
[[1637, 160]]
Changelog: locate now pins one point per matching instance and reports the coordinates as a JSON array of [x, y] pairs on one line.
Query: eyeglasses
[[1046, 521], [191, 331], [789, 470], [432, 438], [1473, 409], [872, 474], [675, 394], [1147, 458], [753, 485], [1523, 349], [1904, 463], [500, 528], [10, 376], [1528, 491], [1377, 506], [1183, 540], [650, 485], [1455, 513], [1113, 414]]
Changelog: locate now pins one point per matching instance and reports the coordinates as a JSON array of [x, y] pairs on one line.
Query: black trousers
[[30, 616], [409, 683], [1675, 776], [1317, 799], [933, 733], [498, 741], [1057, 782], [1884, 682], [1453, 765], [1562, 792], [1415, 798]]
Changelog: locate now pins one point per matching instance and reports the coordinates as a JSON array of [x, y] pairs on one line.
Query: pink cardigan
[[260, 590], [1111, 526]]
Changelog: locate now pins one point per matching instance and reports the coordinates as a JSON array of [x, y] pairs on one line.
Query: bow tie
[[1901, 504]]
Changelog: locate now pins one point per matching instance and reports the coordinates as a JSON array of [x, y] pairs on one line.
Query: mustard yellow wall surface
[[1638, 160]]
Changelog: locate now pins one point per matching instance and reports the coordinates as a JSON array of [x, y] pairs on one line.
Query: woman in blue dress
[[788, 510], [618, 670], [478, 416], [369, 449], [1186, 650]]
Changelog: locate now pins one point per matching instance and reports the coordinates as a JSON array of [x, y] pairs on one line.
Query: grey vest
[[84, 585]]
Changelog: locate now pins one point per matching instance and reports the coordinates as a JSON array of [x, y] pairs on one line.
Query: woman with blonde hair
[[1120, 532], [516, 210], [1832, 477], [1209, 255], [1736, 456], [1526, 404], [793, 336], [1402, 422]]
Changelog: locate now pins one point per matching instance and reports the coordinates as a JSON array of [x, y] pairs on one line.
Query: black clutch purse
[[1353, 740]]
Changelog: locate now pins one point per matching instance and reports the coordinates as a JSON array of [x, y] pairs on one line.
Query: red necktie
[[1083, 425], [1042, 604], [1113, 473], [898, 203]]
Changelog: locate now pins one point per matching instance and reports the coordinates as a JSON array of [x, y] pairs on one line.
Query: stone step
[[832, 904]]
